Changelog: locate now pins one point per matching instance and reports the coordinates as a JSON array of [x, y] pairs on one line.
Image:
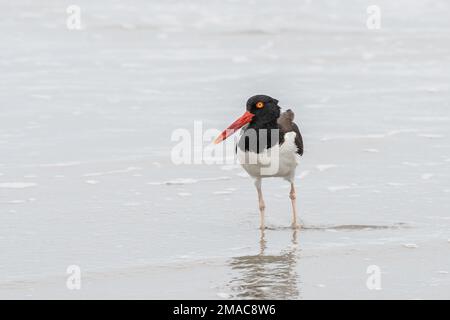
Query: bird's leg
[[262, 242], [262, 206], [293, 197]]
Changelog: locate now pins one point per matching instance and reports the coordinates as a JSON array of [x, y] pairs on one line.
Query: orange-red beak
[[239, 123]]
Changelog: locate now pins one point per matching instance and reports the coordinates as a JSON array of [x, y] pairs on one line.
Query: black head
[[264, 108], [262, 112]]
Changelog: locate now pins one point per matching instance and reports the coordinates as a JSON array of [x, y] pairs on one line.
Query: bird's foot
[[296, 226]]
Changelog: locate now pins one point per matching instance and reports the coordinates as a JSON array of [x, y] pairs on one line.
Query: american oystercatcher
[[270, 146]]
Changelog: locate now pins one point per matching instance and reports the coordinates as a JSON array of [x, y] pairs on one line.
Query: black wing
[[287, 124], [298, 139]]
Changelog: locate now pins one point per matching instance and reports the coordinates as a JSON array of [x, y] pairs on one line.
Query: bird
[[270, 145]]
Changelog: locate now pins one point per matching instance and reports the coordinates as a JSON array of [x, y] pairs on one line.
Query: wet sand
[[289, 270], [86, 176]]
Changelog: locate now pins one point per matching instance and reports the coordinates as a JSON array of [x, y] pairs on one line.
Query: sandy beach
[[87, 179]]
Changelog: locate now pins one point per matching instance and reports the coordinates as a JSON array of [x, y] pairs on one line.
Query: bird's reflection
[[267, 276]]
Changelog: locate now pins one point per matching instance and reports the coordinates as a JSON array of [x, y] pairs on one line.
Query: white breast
[[274, 162]]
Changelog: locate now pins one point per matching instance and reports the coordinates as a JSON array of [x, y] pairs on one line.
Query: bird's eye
[[260, 105]]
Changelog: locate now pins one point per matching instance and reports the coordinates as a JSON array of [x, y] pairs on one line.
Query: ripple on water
[[17, 185]]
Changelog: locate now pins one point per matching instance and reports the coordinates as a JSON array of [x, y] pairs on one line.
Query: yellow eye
[[260, 105]]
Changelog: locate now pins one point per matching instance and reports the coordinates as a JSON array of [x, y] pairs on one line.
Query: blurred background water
[[86, 118]]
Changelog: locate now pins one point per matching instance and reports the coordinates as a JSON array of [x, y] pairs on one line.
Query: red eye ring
[[260, 105]]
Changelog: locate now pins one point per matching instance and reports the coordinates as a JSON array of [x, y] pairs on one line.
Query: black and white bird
[[270, 146]]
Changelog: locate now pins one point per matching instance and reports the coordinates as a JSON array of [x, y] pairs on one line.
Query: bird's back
[[286, 124]]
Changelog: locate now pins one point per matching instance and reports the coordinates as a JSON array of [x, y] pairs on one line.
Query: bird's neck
[[267, 125], [266, 136]]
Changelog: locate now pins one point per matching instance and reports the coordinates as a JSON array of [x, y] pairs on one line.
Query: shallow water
[[86, 176]]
